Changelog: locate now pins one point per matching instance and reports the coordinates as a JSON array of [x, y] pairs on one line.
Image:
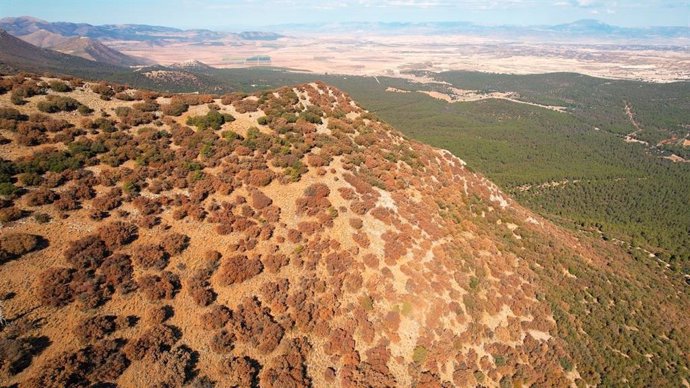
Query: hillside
[[97, 51], [24, 56], [25, 25], [290, 238]]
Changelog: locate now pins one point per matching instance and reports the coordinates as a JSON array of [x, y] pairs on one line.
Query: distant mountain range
[[578, 29], [26, 25]]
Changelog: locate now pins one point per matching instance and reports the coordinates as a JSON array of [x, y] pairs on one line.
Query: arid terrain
[[282, 239], [393, 55]]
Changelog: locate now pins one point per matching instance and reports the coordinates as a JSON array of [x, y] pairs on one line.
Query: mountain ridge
[[290, 237]]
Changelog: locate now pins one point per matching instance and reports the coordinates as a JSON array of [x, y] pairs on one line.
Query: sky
[[231, 15]]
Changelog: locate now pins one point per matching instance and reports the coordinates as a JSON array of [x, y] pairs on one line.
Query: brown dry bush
[[159, 287], [117, 234], [159, 314], [176, 107], [254, 324], [240, 371], [152, 343], [30, 134], [245, 105], [10, 214], [223, 342], [16, 354], [150, 256], [54, 287], [90, 289], [217, 317], [108, 202], [172, 368], [175, 243], [117, 270], [199, 287], [40, 197], [95, 365], [86, 253], [288, 370], [95, 328], [237, 269], [147, 206], [15, 245]]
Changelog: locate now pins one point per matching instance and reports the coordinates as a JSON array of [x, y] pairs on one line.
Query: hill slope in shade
[[97, 51], [19, 54], [290, 238]]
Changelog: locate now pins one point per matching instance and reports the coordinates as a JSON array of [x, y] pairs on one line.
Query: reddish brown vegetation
[[15, 245], [239, 268], [150, 256], [157, 287]]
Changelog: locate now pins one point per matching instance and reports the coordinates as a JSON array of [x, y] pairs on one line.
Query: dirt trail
[[632, 136]]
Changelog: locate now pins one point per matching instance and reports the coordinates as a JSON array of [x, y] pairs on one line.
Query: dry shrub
[[117, 270], [150, 256], [95, 328], [217, 317], [199, 287], [90, 290], [237, 269], [86, 253], [16, 354], [157, 287], [240, 371], [117, 234], [159, 314], [288, 369], [15, 245], [175, 243], [40, 197], [152, 343], [260, 200], [172, 368], [54, 287], [255, 325], [96, 365], [223, 342], [109, 201], [11, 213]]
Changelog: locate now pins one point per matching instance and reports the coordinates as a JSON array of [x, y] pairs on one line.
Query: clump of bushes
[[212, 120], [117, 234], [175, 243], [86, 253], [150, 256], [53, 104], [15, 245], [157, 287], [55, 287], [59, 86], [176, 107]]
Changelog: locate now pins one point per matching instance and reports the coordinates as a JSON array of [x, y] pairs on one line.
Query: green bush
[[7, 188], [54, 104], [84, 110], [213, 120], [59, 86]]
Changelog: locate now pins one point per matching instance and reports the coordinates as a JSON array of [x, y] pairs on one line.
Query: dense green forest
[[558, 163]]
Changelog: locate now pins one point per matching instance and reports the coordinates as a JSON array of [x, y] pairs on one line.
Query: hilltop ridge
[[291, 238]]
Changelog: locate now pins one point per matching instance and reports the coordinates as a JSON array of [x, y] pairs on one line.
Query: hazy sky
[[237, 14]]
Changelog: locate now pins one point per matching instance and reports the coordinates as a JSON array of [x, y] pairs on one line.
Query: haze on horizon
[[238, 14]]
